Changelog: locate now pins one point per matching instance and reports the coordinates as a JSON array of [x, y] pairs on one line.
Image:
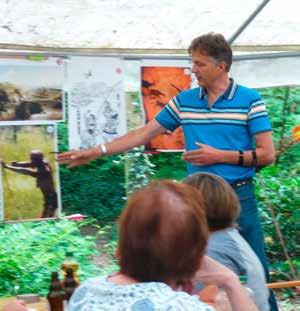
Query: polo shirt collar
[[228, 94], [202, 92]]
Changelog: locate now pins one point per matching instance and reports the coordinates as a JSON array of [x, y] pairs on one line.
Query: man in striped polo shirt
[[227, 131], [226, 128]]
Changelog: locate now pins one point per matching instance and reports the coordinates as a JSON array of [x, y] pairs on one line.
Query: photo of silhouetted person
[[40, 169]]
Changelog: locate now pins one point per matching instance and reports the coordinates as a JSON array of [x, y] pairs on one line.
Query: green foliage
[[96, 189], [29, 252], [284, 109], [139, 170], [278, 185], [169, 165], [278, 188], [109, 234], [138, 167]]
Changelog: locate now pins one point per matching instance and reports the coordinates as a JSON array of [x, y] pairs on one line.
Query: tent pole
[[247, 21], [26, 54]]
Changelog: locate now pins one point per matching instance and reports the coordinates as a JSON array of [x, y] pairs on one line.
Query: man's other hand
[[205, 155]]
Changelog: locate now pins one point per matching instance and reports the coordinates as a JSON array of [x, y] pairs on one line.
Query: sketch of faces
[[89, 130], [99, 117], [111, 119]]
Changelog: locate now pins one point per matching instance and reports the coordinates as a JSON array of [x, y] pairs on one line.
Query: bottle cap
[[243, 279], [69, 254]]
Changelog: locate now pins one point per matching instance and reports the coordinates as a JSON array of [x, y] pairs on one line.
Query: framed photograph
[[29, 173], [31, 90]]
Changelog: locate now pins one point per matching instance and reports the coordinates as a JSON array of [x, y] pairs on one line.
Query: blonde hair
[[221, 204]]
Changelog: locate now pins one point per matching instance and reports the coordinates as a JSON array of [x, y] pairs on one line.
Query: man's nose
[[194, 68]]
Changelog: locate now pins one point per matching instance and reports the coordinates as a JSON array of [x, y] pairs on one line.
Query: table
[[40, 306]]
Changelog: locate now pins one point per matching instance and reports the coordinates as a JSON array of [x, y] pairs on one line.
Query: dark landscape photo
[[31, 91]]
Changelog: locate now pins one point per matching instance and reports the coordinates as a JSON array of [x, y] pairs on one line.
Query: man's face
[[206, 69]]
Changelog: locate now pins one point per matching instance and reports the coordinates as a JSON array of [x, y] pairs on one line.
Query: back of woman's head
[[221, 204], [163, 233]]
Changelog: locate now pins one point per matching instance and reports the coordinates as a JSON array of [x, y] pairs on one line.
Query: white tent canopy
[[144, 27], [146, 24]]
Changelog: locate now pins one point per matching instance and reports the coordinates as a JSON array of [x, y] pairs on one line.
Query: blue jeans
[[251, 230]]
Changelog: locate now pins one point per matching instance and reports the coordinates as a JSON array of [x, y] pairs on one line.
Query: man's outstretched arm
[[124, 143]]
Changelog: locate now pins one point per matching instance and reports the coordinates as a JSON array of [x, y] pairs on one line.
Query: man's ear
[[223, 66]]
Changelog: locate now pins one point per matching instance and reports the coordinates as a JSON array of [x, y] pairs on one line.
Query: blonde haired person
[[225, 244]]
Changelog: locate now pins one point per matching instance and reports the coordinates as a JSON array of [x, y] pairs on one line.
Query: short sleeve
[[169, 117], [223, 248], [232, 262], [258, 119]]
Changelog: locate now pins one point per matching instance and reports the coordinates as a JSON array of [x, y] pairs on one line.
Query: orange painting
[[159, 85]]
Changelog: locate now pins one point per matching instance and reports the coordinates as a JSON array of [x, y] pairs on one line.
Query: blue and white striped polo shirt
[[229, 124]]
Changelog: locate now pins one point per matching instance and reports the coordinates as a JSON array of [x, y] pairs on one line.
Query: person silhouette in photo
[[40, 169]]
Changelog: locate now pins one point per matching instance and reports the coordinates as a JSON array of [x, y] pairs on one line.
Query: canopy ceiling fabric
[[146, 24], [157, 27]]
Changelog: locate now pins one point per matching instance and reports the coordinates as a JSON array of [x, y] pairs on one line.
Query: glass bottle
[[69, 284], [70, 262], [56, 294]]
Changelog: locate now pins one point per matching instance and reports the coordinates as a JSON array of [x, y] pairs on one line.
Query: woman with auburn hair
[[162, 236], [225, 244]]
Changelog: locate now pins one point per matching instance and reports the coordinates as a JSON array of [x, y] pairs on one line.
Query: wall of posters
[[29, 173], [33, 97], [31, 90], [162, 80], [96, 102]]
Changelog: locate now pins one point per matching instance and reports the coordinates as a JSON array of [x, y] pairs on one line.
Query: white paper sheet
[[96, 102]]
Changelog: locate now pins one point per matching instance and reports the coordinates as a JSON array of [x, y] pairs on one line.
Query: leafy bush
[[278, 185], [96, 189], [169, 165], [29, 252]]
